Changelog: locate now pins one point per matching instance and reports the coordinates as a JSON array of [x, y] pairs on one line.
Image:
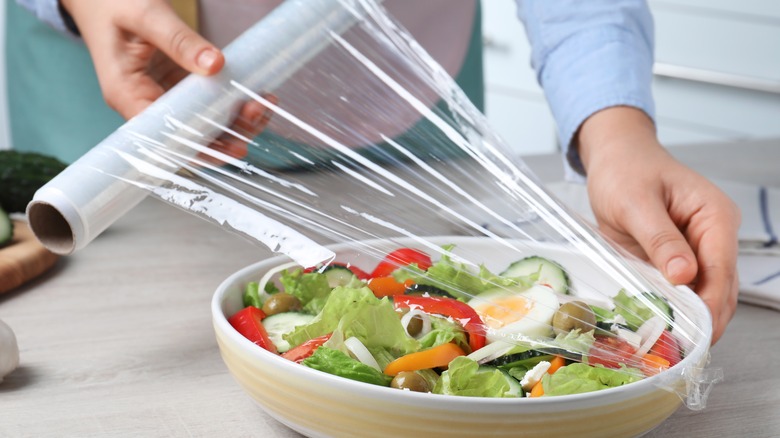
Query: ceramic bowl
[[322, 405]]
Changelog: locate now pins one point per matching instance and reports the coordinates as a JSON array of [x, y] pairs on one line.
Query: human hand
[[141, 49], [661, 210]]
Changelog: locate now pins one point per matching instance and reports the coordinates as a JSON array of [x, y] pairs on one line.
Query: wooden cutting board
[[23, 259]]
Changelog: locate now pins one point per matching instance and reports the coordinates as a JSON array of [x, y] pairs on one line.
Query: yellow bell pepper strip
[[653, 364], [537, 390], [457, 310], [248, 322], [555, 364], [439, 356], [387, 286]]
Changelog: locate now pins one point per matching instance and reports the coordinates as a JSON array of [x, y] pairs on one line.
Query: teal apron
[[55, 103]]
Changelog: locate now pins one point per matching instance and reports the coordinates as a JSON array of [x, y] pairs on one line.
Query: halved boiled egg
[[524, 312]]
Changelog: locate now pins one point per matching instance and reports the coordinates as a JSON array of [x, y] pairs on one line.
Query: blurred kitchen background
[[717, 74]]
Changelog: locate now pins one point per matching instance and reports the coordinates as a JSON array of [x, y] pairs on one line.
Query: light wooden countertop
[[117, 341]]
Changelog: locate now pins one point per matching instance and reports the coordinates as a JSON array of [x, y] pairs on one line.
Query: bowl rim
[[601, 397]]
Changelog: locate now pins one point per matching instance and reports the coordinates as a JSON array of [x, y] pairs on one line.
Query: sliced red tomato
[[457, 310], [301, 352], [668, 348], [248, 322], [611, 352], [402, 257]]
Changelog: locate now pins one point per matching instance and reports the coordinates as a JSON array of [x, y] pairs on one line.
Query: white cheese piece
[[534, 375], [631, 337]]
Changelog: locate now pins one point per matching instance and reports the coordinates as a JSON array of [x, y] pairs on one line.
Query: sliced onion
[[426, 321], [491, 351], [650, 331], [273, 271], [361, 353]]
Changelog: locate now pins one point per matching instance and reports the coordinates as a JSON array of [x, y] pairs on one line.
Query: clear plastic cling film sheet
[[369, 145]]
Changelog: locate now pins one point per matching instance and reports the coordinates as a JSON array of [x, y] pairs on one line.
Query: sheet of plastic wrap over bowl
[[372, 147]]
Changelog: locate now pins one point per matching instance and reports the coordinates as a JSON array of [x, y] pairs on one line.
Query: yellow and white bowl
[[317, 404]]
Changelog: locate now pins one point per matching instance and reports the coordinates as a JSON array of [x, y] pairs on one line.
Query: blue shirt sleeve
[[589, 55], [47, 11]]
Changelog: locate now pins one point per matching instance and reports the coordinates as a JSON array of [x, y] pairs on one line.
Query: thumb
[[166, 31], [663, 242]]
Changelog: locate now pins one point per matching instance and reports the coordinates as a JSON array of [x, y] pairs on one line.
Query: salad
[[444, 327]]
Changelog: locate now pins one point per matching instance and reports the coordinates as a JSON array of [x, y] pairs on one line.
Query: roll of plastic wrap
[[91, 194]]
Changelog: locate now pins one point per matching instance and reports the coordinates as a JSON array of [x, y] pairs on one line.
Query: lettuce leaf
[[340, 364], [443, 331], [577, 378], [457, 278], [633, 309], [311, 288], [464, 377], [358, 313]]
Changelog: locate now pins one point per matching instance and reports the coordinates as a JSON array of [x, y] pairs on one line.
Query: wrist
[[614, 132]]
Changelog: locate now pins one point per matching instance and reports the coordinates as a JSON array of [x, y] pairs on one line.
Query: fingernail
[[207, 58], [676, 266]]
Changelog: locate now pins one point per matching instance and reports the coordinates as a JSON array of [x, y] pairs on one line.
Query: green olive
[[281, 302], [573, 315], [415, 325], [411, 381]]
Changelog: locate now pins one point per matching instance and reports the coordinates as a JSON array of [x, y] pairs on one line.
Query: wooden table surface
[[116, 340]]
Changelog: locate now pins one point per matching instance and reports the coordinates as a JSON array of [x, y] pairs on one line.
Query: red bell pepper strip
[[668, 348], [301, 352], [248, 322], [401, 257], [457, 310]]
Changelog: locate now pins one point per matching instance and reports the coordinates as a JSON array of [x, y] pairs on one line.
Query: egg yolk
[[502, 311]]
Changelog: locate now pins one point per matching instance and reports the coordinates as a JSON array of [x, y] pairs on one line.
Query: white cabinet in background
[[717, 74]]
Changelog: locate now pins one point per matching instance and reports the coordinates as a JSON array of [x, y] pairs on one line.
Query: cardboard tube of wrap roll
[[92, 193]]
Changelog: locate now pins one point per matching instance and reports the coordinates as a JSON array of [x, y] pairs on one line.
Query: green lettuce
[[340, 364], [357, 312], [252, 295], [577, 378], [575, 342], [633, 309], [464, 377], [457, 278], [311, 288], [443, 331]]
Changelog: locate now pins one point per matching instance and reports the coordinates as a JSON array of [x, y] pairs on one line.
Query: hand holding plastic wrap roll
[[370, 145]]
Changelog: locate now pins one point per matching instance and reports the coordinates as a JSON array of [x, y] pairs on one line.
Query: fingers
[[161, 27], [718, 282], [662, 241], [250, 122]]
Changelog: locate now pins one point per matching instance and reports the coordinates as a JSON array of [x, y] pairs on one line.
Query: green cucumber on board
[[281, 323], [6, 228], [549, 272]]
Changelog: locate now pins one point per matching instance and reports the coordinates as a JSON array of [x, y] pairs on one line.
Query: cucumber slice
[[662, 304], [338, 275], [550, 273], [6, 228], [427, 290], [281, 323]]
